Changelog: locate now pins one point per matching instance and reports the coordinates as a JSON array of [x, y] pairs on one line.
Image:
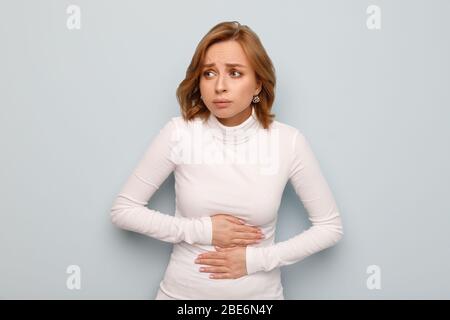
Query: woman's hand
[[229, 232], [225, 263]]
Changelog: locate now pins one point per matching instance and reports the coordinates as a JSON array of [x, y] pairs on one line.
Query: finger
[[249, 236], [235, 220], [214, 269], [211, 255], [248, 229], [243, 242], [220, 276], [226, 249], [230, 246], [223, 248], [211, 262]]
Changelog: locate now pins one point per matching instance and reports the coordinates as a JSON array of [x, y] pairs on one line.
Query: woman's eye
[[206, 73], [233, 72]]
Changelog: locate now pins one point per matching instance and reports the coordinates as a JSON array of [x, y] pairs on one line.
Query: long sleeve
[[314, 192], [129, 209]]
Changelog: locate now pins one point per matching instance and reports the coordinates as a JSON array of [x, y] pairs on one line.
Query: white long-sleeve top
[[239, 170]]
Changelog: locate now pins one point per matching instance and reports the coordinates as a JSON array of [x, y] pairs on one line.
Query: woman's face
[[227, 74]]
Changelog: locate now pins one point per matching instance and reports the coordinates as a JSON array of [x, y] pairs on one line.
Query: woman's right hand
[[229, 231]]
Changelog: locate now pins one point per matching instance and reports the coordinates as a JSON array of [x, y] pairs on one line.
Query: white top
[[240, 170]]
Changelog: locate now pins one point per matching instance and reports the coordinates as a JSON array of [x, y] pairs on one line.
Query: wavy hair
[[188, 92]]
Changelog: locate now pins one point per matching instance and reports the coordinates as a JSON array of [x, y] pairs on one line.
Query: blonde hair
[[188, 92]]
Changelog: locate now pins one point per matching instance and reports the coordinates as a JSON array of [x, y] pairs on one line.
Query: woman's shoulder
[[180, 123], [285, 129], [174, 123], [177, 126]]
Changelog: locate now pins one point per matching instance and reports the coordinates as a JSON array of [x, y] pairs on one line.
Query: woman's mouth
[[222, 104]]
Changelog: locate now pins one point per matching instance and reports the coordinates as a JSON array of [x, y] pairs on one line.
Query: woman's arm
[[318, 200], [129, 209]]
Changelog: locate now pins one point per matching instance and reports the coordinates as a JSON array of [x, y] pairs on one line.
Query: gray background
[[79, 107]]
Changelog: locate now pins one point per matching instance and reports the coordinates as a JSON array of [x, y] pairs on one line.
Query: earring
[[255, 99], [201, 98]]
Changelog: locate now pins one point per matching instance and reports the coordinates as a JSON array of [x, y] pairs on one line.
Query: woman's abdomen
[[183, 280]]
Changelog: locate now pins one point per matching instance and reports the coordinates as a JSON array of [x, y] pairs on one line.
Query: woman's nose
[[220, 84]]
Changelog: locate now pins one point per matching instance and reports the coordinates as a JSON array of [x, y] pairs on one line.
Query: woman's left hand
[[225, 263]]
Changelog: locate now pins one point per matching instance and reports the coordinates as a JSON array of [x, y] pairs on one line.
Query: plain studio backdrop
[[367, 82]]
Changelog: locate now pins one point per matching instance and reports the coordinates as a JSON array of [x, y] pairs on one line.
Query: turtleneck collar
[[233, 134]]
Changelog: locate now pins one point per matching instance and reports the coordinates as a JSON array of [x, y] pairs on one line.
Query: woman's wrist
[[262, 258], [253, 258], [201, 231]]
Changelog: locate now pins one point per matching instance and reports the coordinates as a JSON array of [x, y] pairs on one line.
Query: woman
[[231, 161]]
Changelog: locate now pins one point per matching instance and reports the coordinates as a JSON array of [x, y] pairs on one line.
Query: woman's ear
[[259, 88]]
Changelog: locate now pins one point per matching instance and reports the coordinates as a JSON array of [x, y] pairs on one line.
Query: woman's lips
[[222, 104]]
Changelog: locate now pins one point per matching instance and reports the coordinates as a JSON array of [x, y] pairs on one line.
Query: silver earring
[[255, 99]]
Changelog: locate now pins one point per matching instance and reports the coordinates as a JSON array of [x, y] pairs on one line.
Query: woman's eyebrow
[[227, 64]]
